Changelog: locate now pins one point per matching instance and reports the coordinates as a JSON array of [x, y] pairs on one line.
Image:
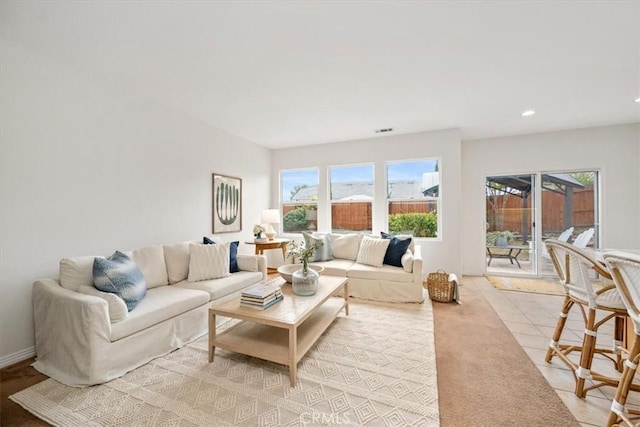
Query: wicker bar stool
[[573, 266], [625, 271]]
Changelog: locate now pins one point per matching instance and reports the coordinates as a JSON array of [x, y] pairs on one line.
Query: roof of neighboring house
[[409, 189]]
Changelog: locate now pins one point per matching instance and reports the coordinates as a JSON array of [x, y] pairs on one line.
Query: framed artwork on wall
[[227, 204]]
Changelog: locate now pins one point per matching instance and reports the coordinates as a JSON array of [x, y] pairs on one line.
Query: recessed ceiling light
[[528, 113], [637, 100]]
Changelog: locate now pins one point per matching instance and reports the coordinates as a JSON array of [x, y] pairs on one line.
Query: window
[[299, 198], [351, 198], [413, 196]]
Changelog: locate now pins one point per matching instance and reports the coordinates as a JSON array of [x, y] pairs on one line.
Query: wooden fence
[[411, 207], [356, 216], [510, 213], [351, 216]]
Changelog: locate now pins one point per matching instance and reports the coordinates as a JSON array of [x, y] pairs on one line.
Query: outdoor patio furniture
[[512, 252], [563, 237], [584, 238]]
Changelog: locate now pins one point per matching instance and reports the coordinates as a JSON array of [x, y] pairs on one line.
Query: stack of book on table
[[261, 296]]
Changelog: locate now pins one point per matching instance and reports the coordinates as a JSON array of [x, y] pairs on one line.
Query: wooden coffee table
[[284, 332]]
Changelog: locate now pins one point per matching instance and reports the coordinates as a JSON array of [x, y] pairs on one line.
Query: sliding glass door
[[569, 206], [524, 210], [510, 227]]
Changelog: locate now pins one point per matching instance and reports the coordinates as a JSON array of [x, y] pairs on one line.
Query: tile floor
[[531, 318]]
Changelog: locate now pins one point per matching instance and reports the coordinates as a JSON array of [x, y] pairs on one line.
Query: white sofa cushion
[[224, 286], [336, 267], [76, 272], [158, 305], [372, 251], [150, 260], [117, 308], [176, 257], [345, 246], [407, 261], [208, 262], [247, 263], [382, 273]]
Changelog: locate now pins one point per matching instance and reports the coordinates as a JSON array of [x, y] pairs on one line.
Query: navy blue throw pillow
[[397, 247], [233, 253]]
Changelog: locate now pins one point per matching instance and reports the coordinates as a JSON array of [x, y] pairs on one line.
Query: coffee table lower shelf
[[283, 344]]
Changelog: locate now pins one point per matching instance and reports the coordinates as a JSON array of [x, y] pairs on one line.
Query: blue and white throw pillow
[[120, 275], [322, 253], [233, 253], [397, 247]]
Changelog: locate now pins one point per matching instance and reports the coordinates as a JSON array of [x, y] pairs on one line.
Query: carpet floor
[[375, 367], [485, 377]]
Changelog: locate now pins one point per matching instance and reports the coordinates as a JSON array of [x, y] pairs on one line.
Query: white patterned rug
[[375, 367]]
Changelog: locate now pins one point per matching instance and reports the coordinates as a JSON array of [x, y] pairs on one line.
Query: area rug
[[375, 367], [485, 376], [539, 286]]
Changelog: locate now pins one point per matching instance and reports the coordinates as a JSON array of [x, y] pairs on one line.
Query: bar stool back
[[597, 304], [625, 271]]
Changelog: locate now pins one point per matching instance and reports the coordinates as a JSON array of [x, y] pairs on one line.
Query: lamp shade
[[271, 216]]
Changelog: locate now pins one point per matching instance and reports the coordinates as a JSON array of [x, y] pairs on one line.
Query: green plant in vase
[[499, 238], [304, 281]]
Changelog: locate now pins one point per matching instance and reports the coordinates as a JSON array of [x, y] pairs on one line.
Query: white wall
[[613, 150], [88, 169], [443, 253]]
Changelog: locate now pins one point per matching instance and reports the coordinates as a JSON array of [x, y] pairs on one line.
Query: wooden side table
[[271, 244]]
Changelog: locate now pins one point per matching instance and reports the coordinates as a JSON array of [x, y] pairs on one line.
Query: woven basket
[[439, 287]]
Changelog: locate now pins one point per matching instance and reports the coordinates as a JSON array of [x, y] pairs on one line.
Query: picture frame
[[226, 203]]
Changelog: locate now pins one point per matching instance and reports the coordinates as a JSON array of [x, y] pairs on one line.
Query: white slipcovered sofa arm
[[417, 264], [253, 263], [71, 328]]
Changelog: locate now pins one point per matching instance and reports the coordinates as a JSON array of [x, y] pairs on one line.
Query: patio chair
[[573, 266], [625, 271], [584, 238], [563, 237]]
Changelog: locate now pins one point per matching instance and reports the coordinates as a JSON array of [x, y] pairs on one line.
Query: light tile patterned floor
[[531, 318]]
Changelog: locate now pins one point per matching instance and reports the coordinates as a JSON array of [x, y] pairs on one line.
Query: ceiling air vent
[[387, 130]]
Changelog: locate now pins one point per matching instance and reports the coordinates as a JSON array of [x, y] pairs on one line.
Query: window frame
[[333, 202], [437, 199], [299, 204]]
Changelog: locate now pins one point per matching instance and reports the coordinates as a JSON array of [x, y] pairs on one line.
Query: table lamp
[[270, 217]]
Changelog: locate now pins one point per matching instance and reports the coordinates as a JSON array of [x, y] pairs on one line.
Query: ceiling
[[293, 73]]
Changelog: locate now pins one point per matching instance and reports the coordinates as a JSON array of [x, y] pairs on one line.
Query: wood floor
[[13, 379]]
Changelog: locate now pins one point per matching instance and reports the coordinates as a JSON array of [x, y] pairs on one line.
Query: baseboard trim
[[16, 357]]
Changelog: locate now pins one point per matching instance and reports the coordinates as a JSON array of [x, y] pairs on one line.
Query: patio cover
[[520, 185]]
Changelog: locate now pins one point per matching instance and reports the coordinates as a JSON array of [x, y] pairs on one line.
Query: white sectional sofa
[[385, 283], [85, 336]]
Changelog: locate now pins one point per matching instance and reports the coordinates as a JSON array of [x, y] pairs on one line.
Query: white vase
[[304, 282]]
